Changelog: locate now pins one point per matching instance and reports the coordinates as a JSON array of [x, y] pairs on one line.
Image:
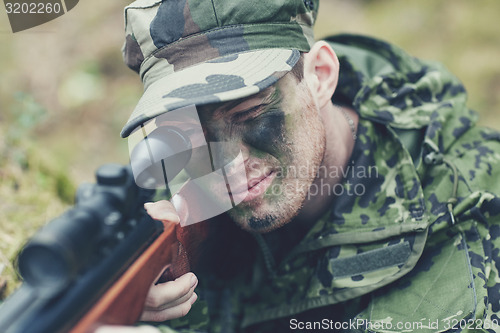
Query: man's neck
[[338, 150]]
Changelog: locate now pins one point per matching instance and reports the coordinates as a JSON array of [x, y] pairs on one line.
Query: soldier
[[370, 202]]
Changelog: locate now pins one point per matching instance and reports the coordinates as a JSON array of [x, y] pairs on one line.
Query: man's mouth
[[255, 188]]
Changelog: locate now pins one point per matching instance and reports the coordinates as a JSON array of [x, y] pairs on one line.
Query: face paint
[[278, 129], [266, 132]]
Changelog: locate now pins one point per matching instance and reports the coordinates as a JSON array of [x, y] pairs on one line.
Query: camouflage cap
[[207, 51]]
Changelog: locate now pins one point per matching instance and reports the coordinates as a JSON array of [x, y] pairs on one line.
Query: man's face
[[282, 139]]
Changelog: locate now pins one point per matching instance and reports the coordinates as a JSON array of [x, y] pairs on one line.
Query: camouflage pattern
[[198, 52], [420, 245]]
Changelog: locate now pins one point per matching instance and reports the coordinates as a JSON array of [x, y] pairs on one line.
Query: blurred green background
[[65, 93]]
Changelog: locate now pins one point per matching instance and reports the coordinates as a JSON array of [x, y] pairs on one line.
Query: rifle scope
[[54, 255], [165, 148], [60, 250]]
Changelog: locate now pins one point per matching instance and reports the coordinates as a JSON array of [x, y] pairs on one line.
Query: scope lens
[[44, 266]]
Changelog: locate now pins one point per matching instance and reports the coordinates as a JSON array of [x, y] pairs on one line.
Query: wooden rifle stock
[[123, 303]]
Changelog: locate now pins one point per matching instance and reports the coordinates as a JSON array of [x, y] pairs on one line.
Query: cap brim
[[222, 79]]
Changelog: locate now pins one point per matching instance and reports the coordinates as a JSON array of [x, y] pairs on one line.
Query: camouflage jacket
[[412, 242]]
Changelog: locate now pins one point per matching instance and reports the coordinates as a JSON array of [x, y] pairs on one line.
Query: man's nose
[[224, 153], [245, 152]]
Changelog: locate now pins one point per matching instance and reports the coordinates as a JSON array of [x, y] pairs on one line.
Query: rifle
[[94, 264]]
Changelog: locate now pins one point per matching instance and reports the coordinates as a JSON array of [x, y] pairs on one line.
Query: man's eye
[[263, 115], [250, 114], [244, 116]]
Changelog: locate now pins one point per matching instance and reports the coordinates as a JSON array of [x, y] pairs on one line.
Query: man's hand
[[172, 299], [165, 301], [168, 300]]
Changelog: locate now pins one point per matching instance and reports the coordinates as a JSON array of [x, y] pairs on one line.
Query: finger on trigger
[[162, 210], [181, 208]]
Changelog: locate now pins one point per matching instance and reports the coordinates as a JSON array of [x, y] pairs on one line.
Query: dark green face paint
[[261, 127], [266, 132]]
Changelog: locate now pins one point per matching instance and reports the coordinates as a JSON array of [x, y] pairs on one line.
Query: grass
[[36, 192]]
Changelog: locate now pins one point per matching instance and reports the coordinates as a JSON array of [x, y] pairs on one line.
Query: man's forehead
[[223, 109]]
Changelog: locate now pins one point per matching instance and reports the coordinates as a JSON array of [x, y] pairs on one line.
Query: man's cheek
[[267, 133]]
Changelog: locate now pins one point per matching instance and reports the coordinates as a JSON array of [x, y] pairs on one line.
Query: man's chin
[[259, 224], [268, 213]]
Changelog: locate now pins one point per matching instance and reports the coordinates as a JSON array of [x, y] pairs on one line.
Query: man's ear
[[321, 71]]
